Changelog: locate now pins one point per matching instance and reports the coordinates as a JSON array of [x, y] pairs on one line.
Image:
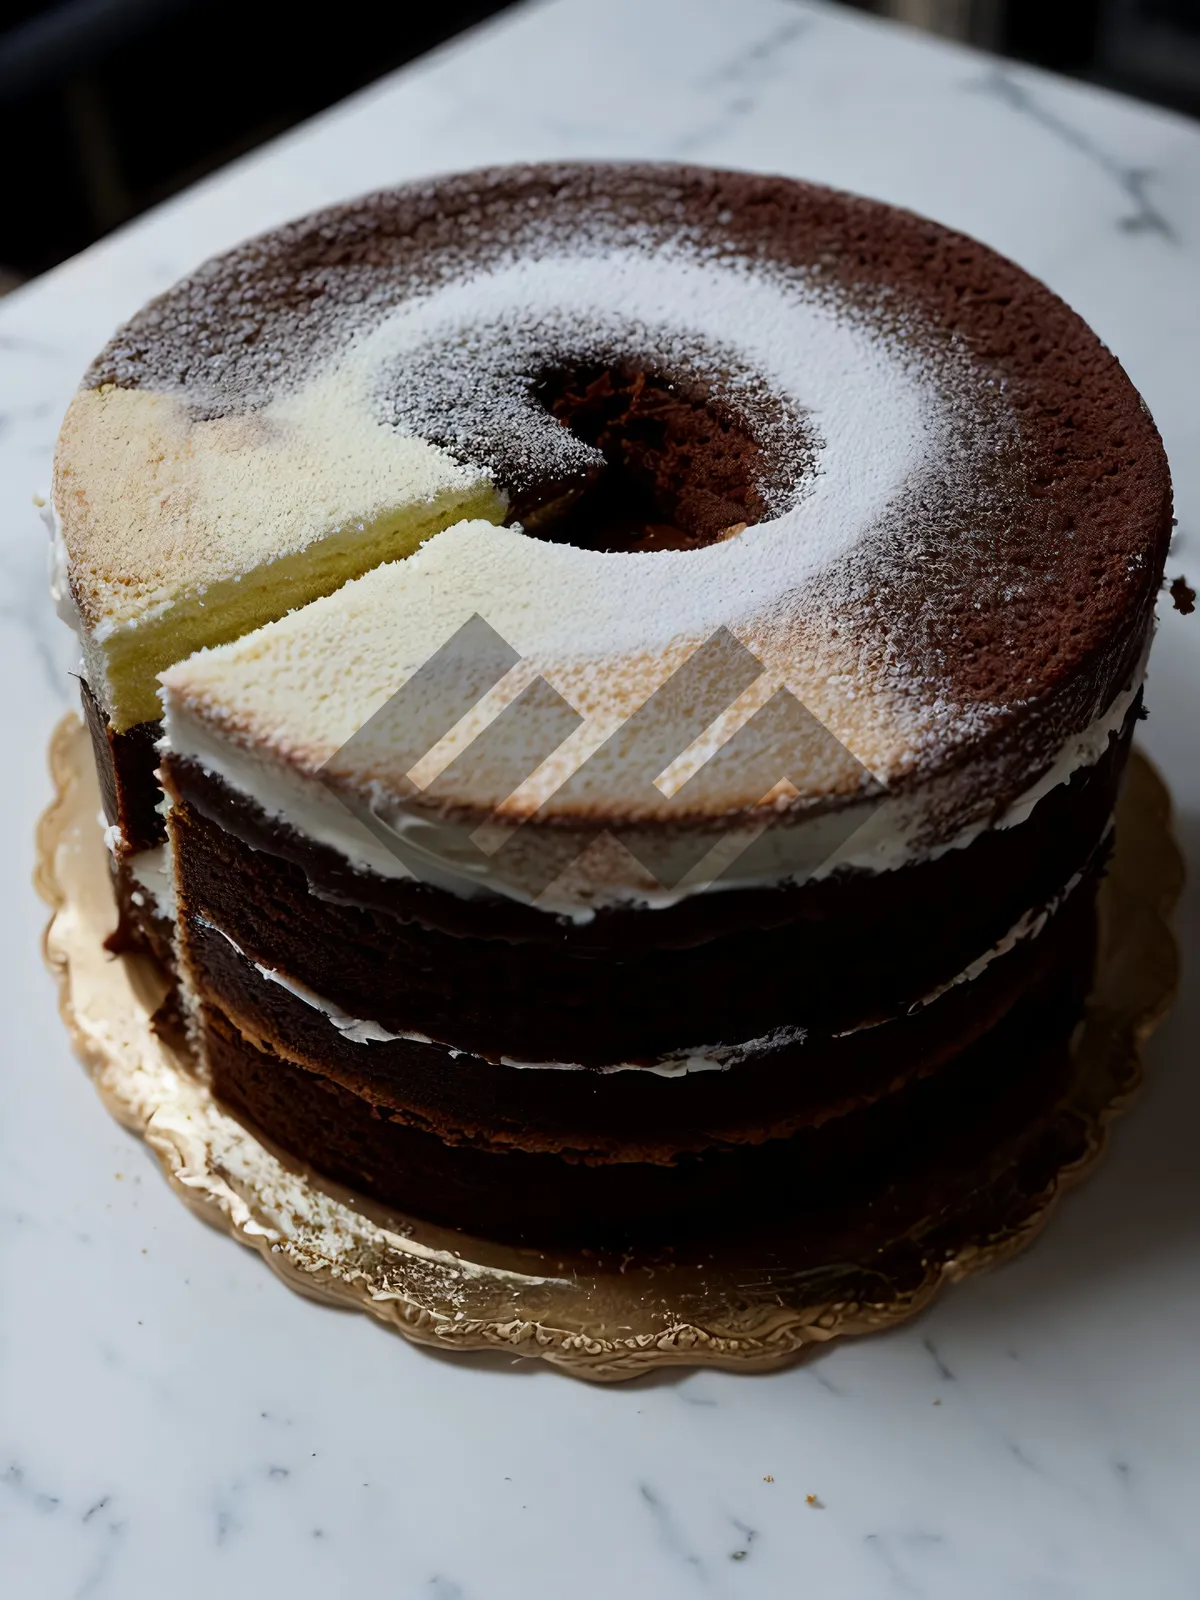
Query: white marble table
[[173, 1421]]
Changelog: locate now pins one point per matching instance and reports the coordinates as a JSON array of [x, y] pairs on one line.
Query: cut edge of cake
[[226, 524]]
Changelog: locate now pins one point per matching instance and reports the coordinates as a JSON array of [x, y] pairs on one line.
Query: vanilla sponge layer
[[183, 532]]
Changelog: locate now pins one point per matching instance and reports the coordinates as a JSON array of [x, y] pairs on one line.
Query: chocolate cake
[[617, 678]]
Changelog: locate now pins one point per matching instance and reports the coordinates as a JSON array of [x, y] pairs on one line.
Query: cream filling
[[884, 842], [701, 1058], [153, 870], [1029, 926], [704, 1058], [60, 567], [887, 840], [155, 874]]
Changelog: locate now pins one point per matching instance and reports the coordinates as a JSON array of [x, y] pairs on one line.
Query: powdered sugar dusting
[[456, 364]]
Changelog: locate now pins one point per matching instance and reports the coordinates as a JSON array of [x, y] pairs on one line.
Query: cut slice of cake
[[179, 530]]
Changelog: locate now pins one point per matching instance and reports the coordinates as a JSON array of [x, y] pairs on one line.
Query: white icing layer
[[1029, 926], [60, 567], [889, 838], [886, 840], [155, 874], [703, 1058]]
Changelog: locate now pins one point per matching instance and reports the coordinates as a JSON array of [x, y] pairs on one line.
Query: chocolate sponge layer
[[494, 978], [636, 1114], [953, 1116]]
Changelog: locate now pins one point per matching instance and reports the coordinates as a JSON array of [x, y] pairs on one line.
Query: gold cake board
[[753, 1303]]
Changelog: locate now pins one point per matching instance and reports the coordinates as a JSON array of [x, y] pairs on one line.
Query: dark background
[[108, 106]]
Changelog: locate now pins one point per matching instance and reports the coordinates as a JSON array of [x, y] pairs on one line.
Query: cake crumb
[[1183, 596]]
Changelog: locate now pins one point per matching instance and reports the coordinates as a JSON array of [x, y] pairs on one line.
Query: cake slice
[[180, 530], [186, 517]]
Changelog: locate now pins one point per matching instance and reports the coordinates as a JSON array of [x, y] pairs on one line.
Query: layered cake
[[610, 684]]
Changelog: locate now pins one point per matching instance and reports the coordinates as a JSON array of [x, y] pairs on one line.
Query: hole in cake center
[[677, 469]]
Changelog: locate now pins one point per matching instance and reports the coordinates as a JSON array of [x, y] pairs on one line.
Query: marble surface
[[174, 1422]]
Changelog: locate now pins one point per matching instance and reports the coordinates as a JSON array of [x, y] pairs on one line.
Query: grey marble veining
[[174, 1422]]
